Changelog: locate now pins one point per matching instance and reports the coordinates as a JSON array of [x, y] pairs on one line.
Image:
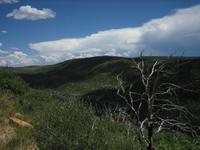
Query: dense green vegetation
[[11, 82], [52, 98]]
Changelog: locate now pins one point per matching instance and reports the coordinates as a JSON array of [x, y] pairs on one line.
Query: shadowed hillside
[[54, 76], [71, 71]]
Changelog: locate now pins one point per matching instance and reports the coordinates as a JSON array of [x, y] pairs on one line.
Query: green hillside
[[97, 76], [56, 100]]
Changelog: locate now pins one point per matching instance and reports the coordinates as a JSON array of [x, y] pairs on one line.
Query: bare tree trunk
[[150, 137]]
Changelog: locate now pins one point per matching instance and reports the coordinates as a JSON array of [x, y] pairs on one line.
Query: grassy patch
[[99, 81], [71, 125], [168, 141]]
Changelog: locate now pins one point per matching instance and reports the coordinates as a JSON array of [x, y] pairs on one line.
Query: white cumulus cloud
[[17, 58], [8, 1], [111, 42], [29, 13], [160, 36], [1, 44]]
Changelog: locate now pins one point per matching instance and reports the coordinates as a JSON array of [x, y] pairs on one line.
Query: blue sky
[[50, 31]]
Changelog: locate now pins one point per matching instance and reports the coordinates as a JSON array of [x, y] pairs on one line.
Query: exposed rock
[[20, 122]]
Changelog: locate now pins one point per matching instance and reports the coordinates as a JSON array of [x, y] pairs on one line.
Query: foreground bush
[[70, 125], [9, 81]]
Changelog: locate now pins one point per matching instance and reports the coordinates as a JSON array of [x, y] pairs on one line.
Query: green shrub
[[9, 81]]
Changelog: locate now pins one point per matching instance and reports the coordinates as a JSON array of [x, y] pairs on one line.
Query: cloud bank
[[17, 58], [29, 13], [178, 32], [8, 1]]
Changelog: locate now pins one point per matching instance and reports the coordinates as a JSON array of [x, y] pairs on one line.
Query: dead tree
[[155, 105]]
